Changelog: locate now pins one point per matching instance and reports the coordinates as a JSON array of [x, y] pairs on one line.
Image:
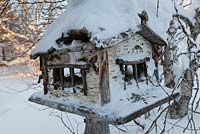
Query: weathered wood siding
[[104, 87], [127, 48], [92, 75], [92, 85]]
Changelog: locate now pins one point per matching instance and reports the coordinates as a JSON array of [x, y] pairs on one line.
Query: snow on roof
[[106, 19]]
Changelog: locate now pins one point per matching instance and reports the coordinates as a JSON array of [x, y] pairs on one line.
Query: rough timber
[[98, 112]]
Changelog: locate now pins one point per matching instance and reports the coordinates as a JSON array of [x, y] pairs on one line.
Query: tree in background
[[22, 23]]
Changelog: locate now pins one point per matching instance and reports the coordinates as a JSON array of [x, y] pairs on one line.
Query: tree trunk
[[167, 68], [180, 107], [93, 126]]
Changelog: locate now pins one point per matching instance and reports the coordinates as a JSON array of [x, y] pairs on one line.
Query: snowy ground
[[18, 116]]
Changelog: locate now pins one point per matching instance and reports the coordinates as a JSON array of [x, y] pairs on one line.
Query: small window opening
[[133, 69], [70, 78]]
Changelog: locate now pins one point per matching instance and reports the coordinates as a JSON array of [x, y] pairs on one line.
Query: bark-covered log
[[167, 68], [75, 34]]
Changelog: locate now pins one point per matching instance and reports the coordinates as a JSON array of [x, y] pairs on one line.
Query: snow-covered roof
[[106, 19]]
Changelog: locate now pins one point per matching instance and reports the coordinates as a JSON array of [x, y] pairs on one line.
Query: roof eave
[[151, 36]]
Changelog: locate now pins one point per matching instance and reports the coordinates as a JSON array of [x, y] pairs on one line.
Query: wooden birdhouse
[[90, 72]]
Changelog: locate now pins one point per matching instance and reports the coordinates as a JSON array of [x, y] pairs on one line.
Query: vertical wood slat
[[72, 76], [136, 73], [121, 68], [145, 72], [62, 77], [126, 69], [83, 73], [104, 78], [56, 77], [44, 73]]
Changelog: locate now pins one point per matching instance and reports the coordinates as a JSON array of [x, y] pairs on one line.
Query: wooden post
[[93, 126], [56, 77], [121, 68], [62, 78], [145, 72], [45, 74], [126, 69], [83, 73], [136, 75], [104, 78]]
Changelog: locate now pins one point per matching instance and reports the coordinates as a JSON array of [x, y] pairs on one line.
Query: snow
[[136, 57], [130, 101], [106, 19], [19, 116]]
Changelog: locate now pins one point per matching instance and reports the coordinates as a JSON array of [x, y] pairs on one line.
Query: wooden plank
[[151, 36], [122, 62], [85, 66], [104, 78]]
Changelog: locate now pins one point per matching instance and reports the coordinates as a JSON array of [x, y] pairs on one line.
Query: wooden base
[[96, 111]]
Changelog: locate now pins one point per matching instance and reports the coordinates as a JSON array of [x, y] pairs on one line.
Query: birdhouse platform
[[118, 111]]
